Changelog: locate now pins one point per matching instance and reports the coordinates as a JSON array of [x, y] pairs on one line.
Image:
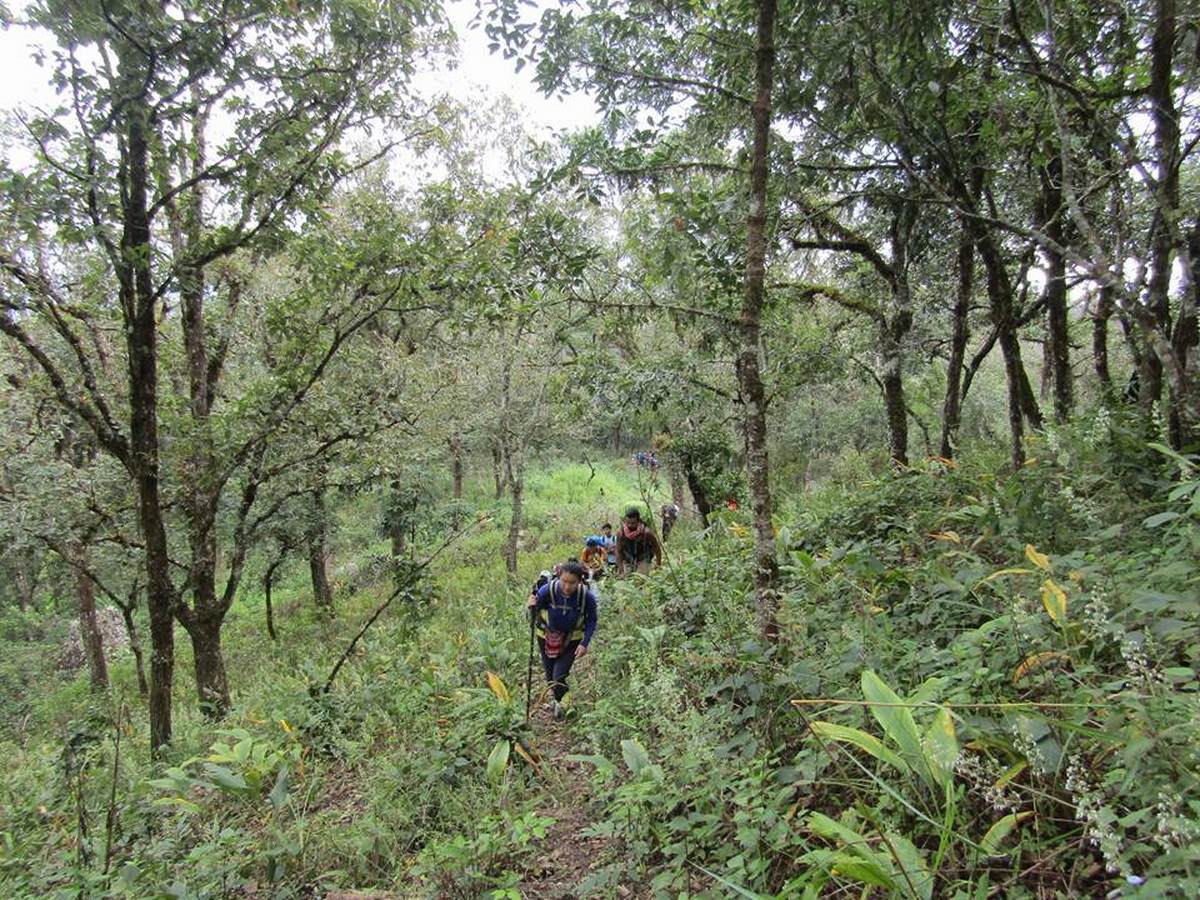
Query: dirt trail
[[566, 855]]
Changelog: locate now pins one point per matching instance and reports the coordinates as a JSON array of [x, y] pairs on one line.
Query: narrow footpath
[[567, 855]]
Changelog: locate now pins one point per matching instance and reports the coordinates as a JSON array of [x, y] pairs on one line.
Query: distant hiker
[[609, 542], [565, 616], [594, 556], [636, 545], [670, 515]]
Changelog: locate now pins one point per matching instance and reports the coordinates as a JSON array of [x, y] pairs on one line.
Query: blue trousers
[[558, 668]]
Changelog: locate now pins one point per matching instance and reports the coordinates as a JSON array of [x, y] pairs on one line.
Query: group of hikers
[[563, 607]]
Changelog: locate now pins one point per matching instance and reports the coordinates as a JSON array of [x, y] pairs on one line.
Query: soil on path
[[567, 855]]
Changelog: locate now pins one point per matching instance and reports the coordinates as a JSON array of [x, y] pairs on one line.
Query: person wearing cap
[[594, 557], [637, 545]]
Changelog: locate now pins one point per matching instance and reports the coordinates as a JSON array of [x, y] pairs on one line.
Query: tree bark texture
[[89, 628], [959, 336], [1058, 349], [212, 680], [1100, 319], [139, 308], [750, 385], [1004, 320], [318, 554]]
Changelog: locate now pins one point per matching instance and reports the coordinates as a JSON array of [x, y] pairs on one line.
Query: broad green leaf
[[634, 755], [497, 762], [897, 722], [225, 779], [1054, 599], [833, 830], [860, 739], [913, 876], [1041, 560], [941, 747], [128, 874], [1161, 518], [279, 793], [867, 869], [997, 833]]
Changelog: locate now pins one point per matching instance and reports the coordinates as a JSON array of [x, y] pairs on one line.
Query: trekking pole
[[529, 675]]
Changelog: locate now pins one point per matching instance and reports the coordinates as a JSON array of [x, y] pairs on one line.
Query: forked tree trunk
[[1004, 319], [211, 679]]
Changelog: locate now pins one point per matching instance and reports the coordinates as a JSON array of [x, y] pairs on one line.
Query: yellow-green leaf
[[998, 832], [1041, 560], [860, 739], [951, 536], [498, 759], [941, 747], [526, 755], [1054, 599], [498, 687], [1036, 661]]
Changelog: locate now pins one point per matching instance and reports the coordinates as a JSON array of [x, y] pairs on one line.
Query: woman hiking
[[564, 617], [636, 545]]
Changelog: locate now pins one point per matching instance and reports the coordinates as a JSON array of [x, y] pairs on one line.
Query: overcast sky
[[23, 84]]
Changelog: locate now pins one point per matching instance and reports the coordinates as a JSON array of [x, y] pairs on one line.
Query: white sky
[[480, 75]]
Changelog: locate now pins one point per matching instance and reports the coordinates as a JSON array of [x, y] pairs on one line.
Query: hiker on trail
[[564, 612], [609, 542], [594, 556], [636, 545], [670, 515]]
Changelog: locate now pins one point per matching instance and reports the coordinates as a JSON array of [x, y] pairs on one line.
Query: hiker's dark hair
[[574, 566], [633, 513], [607, 525]]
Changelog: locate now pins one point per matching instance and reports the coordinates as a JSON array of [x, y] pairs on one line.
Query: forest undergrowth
[[986, 686]]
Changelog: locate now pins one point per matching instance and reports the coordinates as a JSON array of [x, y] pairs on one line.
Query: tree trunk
[[456, 468], [1104, 311], [516, 488], [318, 555], [1154, 317], [699, 497], [1058, 349], [1029, 403], [498, 470], [139, 308], [960, 335], [1000, 296], [750, 386], [212, 681], [135, 641], [268, 583], [89, 628]]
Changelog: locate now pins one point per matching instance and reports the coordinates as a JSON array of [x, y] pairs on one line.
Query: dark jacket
[[575, 615], [644, 547]]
